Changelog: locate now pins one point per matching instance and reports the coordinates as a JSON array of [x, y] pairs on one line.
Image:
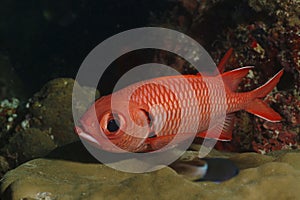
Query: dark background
[[48, 39]]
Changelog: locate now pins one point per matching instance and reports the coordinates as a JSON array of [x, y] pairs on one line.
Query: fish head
[[121, 126]]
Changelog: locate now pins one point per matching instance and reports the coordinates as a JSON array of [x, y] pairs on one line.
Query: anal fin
[[220, 131]]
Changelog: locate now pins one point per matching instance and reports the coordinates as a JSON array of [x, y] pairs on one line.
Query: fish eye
[[113, 125]]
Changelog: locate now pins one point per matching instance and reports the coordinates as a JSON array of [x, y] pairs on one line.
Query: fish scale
[[182, 105]]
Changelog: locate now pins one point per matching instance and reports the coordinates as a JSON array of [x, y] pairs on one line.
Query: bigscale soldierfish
[[157, 107]]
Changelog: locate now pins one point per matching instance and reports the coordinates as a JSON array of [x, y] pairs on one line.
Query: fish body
[[146, 116]]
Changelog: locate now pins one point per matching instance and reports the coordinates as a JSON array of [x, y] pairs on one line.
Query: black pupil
[[112, 125]]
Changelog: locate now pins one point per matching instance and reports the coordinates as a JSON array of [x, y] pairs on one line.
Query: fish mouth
[[85, 136]]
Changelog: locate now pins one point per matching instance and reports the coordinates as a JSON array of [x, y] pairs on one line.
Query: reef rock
[[47, 122], [51, 109], [270, 177], [4, 165], [31, 143]]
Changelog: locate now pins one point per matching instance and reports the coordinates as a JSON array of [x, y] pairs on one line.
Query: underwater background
[[42, 45]]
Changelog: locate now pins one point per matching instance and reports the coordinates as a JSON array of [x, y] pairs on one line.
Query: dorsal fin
[[233, 78], [221, 66], [224, 60]]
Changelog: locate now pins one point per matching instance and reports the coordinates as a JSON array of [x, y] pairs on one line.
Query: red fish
[[146, 116]]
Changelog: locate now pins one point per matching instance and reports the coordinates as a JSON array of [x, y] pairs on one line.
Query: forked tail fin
[[265, 89], [260, 108]]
